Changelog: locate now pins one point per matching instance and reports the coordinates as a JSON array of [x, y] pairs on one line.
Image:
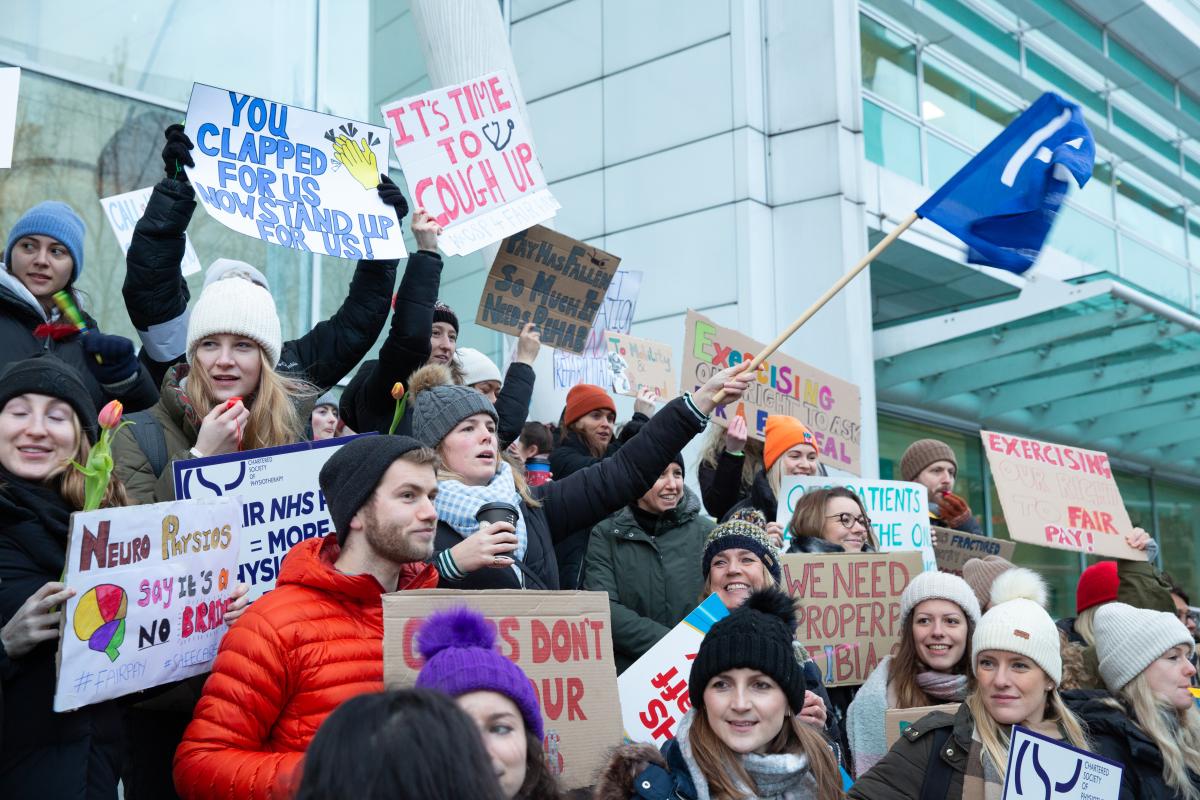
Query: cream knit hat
[[1129, 639], [477, 367], [1018, 624], [233, 304], [939, 586]]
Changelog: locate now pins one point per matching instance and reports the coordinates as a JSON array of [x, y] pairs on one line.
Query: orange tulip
[[397, 390], [110, 415]]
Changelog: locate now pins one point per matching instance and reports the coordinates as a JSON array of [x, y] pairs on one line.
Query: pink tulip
[[110, 415]]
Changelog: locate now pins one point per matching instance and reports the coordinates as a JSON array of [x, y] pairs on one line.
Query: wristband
[[446, 566], [196, 453], [738, 454]]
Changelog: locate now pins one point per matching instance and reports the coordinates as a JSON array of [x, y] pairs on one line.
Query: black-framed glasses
[[848, 520]]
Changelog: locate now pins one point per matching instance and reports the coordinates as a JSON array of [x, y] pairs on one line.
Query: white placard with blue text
[[291, 177], [1041, 767], [123, 212], [282, 503], [151, 583], [899, 510]]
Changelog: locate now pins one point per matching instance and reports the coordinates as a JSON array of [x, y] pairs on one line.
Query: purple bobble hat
[[459, 647]]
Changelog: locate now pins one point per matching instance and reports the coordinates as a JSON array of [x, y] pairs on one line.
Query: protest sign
[[616, 316], [955, 548], [10, 83], [638, 364], [150, 587], [291, 177], [563, 642], [899, 510], [654, 690], [897, 720], [828, 405], [849, 608], [1058, 496], [1041, 767], [123, 212], [478, 189], [282, 500], [553, 280]]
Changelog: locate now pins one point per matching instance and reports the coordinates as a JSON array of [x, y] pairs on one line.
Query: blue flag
[[1004, 200]]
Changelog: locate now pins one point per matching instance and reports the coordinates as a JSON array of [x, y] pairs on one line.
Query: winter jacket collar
[[814, 544], [573, 441], [14, 292], [1103, 718], [176, 405], [310, 564], [677, 517]]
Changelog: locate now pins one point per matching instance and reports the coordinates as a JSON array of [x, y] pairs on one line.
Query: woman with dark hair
[[461, 659], [46, 422], [932, 665], [729, 460], [744, 736], [412, 744], [832, 520]]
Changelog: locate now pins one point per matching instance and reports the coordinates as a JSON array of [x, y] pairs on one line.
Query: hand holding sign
[[731, 383], [36, 621]]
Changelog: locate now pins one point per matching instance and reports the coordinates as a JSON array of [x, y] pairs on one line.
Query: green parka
[[653, 578]]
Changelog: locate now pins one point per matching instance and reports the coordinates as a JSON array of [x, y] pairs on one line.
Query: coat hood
[[14, 292]]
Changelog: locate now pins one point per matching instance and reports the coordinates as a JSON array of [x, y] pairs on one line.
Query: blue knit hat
[[56, 220]]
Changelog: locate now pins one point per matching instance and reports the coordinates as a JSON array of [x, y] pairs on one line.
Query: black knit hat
[[350, 476], [759, 636], [745, 530], [51, 376], [444, 313]]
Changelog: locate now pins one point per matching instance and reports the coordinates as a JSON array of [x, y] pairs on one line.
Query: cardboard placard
[[1040, 767], [654, 689], [282, 503], [828, 405], [955, 548], [1059, 496], [615, 315], [899, 510], [123, 212], [541, 276], [468, 158], [849, 608], [563, 642], [291, 177], [10, 85], [150, 585], [638, 364], [897, 720]]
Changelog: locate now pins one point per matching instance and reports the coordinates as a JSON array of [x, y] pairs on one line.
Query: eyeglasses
[[848, 520]]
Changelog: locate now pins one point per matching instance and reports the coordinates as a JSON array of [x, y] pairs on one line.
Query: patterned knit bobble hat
[[745, 530], [459, 647], [758, 636]]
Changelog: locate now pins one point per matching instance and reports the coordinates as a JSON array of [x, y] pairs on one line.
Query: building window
[[891, 141], [889, 64]]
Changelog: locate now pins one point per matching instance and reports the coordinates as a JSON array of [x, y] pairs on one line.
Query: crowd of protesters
[[295, 704]]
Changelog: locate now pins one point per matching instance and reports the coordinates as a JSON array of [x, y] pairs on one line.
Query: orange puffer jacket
[[296, 654]]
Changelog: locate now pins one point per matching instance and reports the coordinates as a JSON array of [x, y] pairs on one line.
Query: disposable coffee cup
[[497, 512]]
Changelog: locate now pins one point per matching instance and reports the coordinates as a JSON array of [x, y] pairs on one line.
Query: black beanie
[[444, 313], [759, 635], [350, 476], [51, 376]]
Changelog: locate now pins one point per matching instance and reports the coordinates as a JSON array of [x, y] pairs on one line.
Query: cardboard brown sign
[[897, 720], [828, 405], [541, 276], [954, 548], [563, 642], [1059, 496], [638, 364], [849, 606]]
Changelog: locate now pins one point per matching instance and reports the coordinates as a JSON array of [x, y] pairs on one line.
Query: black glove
[[111, 360], [389, 193], [175, 152]]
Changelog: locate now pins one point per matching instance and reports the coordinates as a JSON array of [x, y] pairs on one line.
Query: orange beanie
[[784, 433], [583, 399]]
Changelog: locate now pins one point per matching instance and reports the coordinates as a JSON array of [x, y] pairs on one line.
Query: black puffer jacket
[[760, 497], [584, 498], [20, 314], [76, 754], [1116, 736], [156, 296]]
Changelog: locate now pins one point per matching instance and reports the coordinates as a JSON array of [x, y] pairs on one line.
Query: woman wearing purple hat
[[461, 659]]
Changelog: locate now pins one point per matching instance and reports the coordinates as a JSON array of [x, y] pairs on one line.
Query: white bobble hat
[[1129, 639], [477, 367], [1017, 623], [236, 305], [939, 586]]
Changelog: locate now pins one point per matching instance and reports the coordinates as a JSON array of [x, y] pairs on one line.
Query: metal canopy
[[1098, 364]]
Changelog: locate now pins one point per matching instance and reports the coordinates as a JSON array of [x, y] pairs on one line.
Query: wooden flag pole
[[884, 243]]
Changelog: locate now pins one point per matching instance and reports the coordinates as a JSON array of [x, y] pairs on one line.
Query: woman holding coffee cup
[[477, 550]]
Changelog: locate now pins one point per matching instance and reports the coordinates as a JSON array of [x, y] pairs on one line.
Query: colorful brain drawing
[[100, 619]]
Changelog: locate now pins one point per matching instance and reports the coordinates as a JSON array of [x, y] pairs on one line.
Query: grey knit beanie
[[1129, 639], [438, 405]]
